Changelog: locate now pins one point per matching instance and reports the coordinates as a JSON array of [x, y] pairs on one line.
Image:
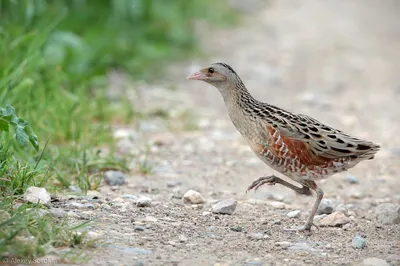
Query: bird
[[295, 145]]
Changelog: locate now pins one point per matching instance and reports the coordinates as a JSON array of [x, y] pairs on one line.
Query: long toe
[[270, 180]]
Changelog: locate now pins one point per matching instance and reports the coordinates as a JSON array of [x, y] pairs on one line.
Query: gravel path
[[337, 61]]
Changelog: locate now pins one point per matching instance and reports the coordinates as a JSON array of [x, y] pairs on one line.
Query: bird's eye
[[211, 70]]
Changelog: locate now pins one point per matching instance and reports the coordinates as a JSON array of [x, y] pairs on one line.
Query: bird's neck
[[236, 95], [240, 104]]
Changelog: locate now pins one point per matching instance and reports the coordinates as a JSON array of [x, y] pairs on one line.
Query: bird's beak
[[197, 76]]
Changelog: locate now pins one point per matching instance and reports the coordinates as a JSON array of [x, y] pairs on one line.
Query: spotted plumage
[[296, 145]]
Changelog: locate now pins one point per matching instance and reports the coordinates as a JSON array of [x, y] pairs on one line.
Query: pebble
[[375, 262], [92, 235], [388, 213], [351, 179], [193, 197], [93, 193], [74, 189], [358, 242], [151, 219], [346, 226], [277, 204], [130, 197], [139, 228], [236, 228], [284, 244], [71, 214], [118, 200], [325, 207], [81, 205], [37, 194], [256, 236], [143, 201], [293, 214], [334, 219], [227, 206], [122, 133], [341, 208], [182, 239], [177, 193], [57, 212], [277, 222], [114, 178], [173, 183], [357, 194], [301, 246]]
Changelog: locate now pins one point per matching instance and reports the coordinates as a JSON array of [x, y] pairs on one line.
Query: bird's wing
[[322, 142]]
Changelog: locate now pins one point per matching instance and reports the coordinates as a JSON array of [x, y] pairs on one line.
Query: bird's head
[[219, 75]]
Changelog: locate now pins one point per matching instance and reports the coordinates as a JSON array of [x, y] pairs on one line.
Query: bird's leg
[[310, 219], [272, 180]]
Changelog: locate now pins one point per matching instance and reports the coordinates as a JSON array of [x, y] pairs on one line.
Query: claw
[[261, 181]]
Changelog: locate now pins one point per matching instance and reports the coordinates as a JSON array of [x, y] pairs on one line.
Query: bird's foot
[[303, 228], [270, 180]]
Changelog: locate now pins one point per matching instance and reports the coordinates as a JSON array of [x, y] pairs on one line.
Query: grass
[[55, 56]]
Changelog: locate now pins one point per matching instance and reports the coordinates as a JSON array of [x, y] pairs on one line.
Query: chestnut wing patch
[[283, 147]]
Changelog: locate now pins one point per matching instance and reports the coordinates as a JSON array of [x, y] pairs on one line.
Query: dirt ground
[[337, 61]]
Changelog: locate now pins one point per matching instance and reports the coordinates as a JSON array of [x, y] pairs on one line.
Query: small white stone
[[122, 133], [255, 236], [118, 200], [93, 193], [182, 239], [283, 244], [293, 214], [277, 204], [227, 206], [193, 197], [92, 235], [37, 194], [143, 201], [151, 219]]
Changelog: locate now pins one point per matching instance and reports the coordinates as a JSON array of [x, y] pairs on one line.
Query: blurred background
[[102, 86]]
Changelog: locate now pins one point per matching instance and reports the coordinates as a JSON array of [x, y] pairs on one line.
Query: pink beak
[[196, 76]]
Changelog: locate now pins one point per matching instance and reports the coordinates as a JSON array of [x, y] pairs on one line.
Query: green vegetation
[[55, 55]]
